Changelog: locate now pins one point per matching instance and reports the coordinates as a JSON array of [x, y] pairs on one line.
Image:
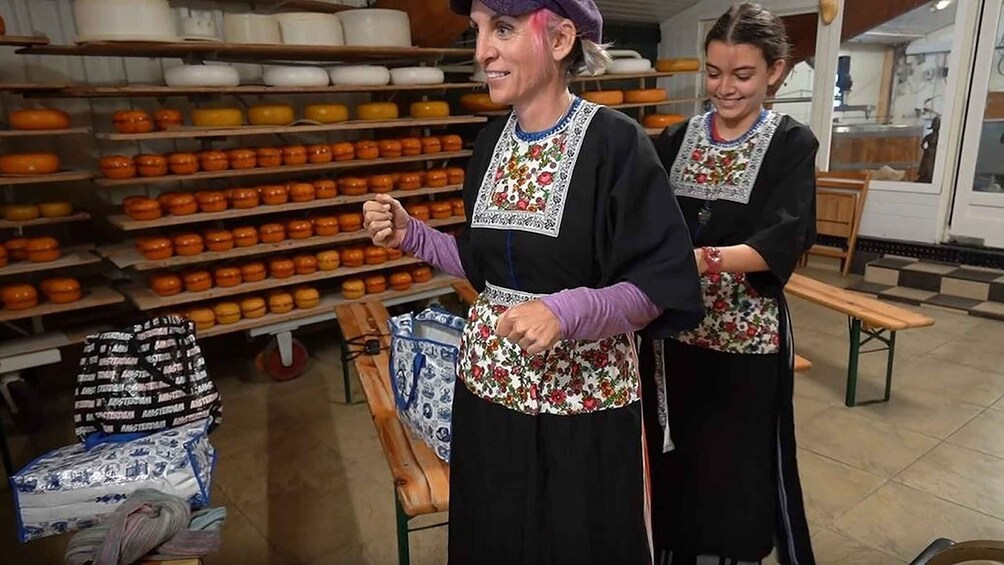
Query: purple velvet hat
[[584, 13]]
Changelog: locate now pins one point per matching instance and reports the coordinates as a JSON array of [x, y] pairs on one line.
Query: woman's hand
[[531, 325], [385, 221], [702, 265]]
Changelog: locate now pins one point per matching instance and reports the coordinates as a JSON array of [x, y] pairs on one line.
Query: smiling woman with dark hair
[[575, 241], [724, 477]]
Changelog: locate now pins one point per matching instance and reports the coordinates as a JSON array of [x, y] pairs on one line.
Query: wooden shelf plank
[[71, 257], [93, 297], [75, 217], [327, 303], [41, 132], [23, 40], [141, 90], [614, 106], [629, 76], [65, 176], [196, 132], [146, 299], [258, 171], [126, 223], [30, 87], [304, 5], [245, 51], [125, 256]]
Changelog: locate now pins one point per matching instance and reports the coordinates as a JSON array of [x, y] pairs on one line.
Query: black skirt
[[730, 487], [545, 489]]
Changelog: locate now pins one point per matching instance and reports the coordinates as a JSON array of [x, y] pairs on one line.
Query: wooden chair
[[840, 202]]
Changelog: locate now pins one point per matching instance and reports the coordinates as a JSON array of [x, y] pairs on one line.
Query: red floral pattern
[[736, 319], [572, 378], [523, 182]]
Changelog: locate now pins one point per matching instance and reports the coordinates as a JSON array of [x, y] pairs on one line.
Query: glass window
[[989, 161]]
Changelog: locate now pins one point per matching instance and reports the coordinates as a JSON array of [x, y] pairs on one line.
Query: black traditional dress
[[724, 476], [547, 461]]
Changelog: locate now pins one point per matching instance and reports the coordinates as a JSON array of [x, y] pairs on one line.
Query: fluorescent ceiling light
[[940, 5]]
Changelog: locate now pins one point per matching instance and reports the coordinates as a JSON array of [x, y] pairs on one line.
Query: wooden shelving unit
[[30, 87], [146, 299], [142, 90], [628, 76], [247, 51], [125, 256], [23, 40], [327, 304], [288, 169], [75, 256], [66, 176], [188, 132], [75, 217], [92, 297], [304, 5], [43, 132], [126, 223]]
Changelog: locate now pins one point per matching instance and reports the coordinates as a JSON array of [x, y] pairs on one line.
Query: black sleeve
[[667, 145], [644, 240], [787, 224]]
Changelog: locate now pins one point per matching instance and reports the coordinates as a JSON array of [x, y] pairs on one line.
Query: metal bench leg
[[891, 344], [403, 548], [852, 362], [8, 465]]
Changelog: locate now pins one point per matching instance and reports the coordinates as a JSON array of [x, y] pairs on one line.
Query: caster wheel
[[271, 362], [26, 413]]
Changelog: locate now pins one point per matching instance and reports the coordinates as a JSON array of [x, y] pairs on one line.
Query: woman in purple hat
[[575, 241], [724, 477]]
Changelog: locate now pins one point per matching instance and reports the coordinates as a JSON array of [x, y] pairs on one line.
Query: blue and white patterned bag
[[423, 368], [72, 487]]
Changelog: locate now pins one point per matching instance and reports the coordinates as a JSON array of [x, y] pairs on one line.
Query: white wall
[[866, 72]]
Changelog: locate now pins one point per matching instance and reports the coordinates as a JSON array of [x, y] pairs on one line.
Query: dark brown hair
[[753, 25]]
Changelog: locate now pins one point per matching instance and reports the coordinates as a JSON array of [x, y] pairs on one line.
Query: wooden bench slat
[[864, 308], [422, 480], [802, 364]]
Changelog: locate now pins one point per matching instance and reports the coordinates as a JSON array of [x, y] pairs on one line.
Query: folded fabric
[[148, 521]]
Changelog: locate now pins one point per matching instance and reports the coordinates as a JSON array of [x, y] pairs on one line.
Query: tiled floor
[[305, 481]]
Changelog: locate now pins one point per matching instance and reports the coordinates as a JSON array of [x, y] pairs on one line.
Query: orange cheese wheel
[[271, 115], [29, 164], [217, 117], [662, 120], [680, 65], [430, 109], [480, 102], [377, 111], [644, 95], [326, 113], [39, 119], [605, 97]]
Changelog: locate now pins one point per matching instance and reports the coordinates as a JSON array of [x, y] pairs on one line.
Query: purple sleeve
[[434, 247], [593, 314]]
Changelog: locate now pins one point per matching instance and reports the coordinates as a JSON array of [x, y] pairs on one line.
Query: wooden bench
[[421, 480], [868, 320]]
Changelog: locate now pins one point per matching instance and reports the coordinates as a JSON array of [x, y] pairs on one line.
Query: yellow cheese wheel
[[430, 109], [644, 95], [55, 209], [377, 111], [20, 212], [662, 120], [326, 113], [271, 115], [605, 97], [480, 102], [679, 65], [217, 117]]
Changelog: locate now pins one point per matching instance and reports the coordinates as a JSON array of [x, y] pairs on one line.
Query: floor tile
[[880, 275], [980, 275], [936, 415], [993, 310], [861, 442], [902, 521], [937, 375], [997, 290], [893, 262], [833, 548], [831, 488], [870, 287], [966, 289], [920, 280], [961, 475], [931, 267], [956, 302], [907, 295], [984, 433], [972, 353]]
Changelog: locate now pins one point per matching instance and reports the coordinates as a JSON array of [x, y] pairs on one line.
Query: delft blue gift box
[[423, 370], [72, 487]]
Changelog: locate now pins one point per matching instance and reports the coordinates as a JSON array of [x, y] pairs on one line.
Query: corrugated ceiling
[[650, 11]]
